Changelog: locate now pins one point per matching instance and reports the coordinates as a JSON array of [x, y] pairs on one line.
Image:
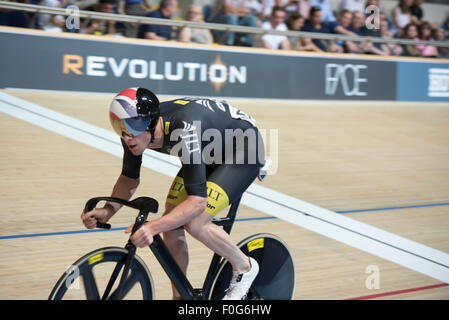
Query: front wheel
[[88, 277], [276, 278]]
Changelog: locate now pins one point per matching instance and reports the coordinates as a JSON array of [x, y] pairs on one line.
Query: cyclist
[[221, 153]]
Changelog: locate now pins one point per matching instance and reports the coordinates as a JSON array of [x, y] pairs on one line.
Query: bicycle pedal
[[199, 294], [251, 295]]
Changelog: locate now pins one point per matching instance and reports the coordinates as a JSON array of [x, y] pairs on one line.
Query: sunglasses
[[132, 126]]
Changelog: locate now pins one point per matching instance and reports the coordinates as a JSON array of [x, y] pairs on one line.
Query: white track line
[[410, 254]]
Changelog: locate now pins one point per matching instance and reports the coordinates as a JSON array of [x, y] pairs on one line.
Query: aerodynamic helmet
[[134, 111]]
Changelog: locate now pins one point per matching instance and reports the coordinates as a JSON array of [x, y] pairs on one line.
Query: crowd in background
[[405, 21]]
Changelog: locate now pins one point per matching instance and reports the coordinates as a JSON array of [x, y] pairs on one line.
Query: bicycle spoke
[[132, 279], [107, 261], [90, 285], [111, 282]]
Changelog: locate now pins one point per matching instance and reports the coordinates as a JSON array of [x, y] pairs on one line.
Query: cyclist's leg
[[176, 239], [217, 240], [225, 185]]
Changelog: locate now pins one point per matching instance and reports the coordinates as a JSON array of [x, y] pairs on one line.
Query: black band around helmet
[[148, 105]]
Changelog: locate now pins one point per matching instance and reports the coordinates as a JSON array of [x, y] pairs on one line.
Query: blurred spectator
[[51, 22], [341, 26], [233, 12], [295, 22], [255, 7], [267, 8], [373, 47], [383, 16], [352, 5], [304, 8], [416, 9], [445, 24], [298, 6], [402, 15], [273, 41], [198, 35], [372, 3], [357, 23], [100, 27], [358, 28], [167, 8], [327, 15], [439, 35], [314, 24], [390, 49], [133, 8], [411, 33], [13, 18], [82, 4], [425, 32]]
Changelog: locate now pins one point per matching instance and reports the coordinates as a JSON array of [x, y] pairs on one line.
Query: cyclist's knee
[[175, 239], [168, 208], [198, 225], [193, 229]]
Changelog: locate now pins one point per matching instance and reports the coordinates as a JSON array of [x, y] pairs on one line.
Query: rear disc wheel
[[276, 278]]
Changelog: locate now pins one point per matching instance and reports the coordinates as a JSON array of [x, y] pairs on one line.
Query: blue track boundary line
[[396, 208], [237, 220]]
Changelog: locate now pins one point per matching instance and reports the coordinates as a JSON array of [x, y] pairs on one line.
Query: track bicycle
[[275, 281]]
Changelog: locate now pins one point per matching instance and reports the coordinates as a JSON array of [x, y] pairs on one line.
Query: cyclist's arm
[[127, 182], [124, 188], [194, 176], [180, 215]]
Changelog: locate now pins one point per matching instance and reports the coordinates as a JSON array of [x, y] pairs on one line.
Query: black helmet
[[134, 111]]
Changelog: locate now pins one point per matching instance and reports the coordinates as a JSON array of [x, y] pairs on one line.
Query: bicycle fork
[[131, 248]]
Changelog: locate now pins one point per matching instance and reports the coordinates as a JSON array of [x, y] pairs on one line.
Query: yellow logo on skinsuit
[[96, 258], [217, 199], [167, 127], [255, 244], [177, 193], [182, 102]]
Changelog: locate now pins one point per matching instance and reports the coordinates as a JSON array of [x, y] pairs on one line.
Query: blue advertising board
[[422, 81]]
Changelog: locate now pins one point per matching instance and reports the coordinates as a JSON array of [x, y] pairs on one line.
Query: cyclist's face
[[137, 144]]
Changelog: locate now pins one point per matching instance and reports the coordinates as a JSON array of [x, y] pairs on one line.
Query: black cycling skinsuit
[[220, 149]]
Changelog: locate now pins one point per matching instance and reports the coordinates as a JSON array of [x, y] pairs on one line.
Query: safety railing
[[212, 26]]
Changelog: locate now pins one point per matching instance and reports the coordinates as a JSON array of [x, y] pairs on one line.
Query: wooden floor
[[338, 155]]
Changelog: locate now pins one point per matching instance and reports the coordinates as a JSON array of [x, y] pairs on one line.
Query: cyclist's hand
[[142, 237], [90, 218]]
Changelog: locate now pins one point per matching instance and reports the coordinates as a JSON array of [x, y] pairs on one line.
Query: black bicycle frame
[[160, 250], [175, 273]]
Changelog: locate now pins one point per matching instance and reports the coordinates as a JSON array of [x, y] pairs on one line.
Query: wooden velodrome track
[[346, 157]]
